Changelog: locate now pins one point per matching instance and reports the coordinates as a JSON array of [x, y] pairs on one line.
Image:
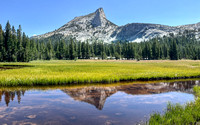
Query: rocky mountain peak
[[95, 26], [100, 12], [99, 18]]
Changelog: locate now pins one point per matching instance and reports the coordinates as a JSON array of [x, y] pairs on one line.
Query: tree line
[[16, 46]]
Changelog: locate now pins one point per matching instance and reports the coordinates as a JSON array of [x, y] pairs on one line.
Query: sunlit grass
[[188, 114], [71, 72]]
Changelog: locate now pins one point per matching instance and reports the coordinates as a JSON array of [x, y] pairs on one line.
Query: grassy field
[[90, 71], [188, 114]]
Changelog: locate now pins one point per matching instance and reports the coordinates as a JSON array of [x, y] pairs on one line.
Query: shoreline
[[82, 85], [121, 82]]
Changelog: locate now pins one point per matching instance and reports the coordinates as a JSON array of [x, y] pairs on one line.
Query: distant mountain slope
[[95, 26], [91, 26]]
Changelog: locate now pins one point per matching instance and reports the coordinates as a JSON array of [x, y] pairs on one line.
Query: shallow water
[[91, 105], [6, 67]]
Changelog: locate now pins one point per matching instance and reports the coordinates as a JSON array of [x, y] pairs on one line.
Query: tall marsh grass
[[188, 114], [74, 72]]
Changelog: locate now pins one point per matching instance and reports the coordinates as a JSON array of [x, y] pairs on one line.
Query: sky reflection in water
[[122, 104]]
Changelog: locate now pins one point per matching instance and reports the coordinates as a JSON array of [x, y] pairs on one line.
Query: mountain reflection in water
[[97, 95]]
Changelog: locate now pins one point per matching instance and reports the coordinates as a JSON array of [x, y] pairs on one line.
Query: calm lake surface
[[125, 104]]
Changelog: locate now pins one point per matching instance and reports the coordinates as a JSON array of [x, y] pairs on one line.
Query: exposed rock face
[[92, 26], [95, 26], [99, 18], [142, 31]]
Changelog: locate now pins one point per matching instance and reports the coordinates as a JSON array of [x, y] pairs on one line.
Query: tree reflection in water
[[97, 95], [10, 95]]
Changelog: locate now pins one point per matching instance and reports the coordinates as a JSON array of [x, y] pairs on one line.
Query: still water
[[121, 104]]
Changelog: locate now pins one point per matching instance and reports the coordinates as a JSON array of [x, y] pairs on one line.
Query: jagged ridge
[[95, 26]]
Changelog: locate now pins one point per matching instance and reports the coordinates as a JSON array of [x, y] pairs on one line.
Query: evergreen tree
[[72, 54], [49, 50], [149, 51], [103, 54], [165, 51], [8, 42], [119, 49], [155, 50], [2, 46], [67, 51], [26, 50], [87, 50], [92, 51], [34, 50], [95, 48], [112, 50], [132, 52], [14, 45], [173, 53], [83, 50], [19, 47], [42, 51], [56, 50], [79, 50], [62, 49], [19, 44]]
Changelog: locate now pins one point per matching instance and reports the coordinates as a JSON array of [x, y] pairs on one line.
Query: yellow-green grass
[[63, 72]]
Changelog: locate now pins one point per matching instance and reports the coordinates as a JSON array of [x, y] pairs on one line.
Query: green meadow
[[177, 114], [62, 72]]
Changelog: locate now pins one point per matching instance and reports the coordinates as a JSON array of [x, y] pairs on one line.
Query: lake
[[116, 104]]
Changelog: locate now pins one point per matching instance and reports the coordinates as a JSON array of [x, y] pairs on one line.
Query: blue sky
[[41, 16]]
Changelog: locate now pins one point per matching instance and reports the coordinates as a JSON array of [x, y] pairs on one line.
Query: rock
[[96, 26]]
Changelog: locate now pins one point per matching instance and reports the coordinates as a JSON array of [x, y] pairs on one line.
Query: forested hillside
[[15, 46]]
